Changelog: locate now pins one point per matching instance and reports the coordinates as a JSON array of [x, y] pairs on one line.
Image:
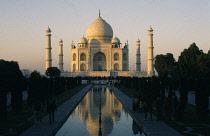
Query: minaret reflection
[[100, 131], [99, 99]]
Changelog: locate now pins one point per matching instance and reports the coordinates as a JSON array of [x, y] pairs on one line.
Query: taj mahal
[[101, 54]]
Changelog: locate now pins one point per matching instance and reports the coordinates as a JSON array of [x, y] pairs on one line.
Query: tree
[[26, 72], [187, 61], [160, 65], [35, 74], [203, 66], [11, 79], [164, 64], [53, 72]]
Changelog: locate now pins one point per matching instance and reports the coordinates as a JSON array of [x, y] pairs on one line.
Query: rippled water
[[99, 114]]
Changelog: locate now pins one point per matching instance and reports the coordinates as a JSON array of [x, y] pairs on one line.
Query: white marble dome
[[99, 30], [115, 40], [83, 40]]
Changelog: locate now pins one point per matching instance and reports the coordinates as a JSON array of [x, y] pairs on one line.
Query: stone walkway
[[61, 115], [150, 127]]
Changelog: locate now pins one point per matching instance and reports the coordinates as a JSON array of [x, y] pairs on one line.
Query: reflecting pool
[[99, 114]]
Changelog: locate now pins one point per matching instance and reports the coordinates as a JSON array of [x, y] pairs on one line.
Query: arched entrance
[[99, 62], [82, 67], [74, 67], [116, 67]]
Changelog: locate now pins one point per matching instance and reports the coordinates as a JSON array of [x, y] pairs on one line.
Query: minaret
[[138, 60], [48, 60], [60, 63], [150, 66], [128, 55]]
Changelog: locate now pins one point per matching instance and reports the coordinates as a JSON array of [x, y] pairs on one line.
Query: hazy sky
[[176, 24]]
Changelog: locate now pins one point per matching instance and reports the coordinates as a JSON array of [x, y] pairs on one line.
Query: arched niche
[[116, 67], [82, 57], [99, 62], [82, 67], [74, 57], [116, 56]]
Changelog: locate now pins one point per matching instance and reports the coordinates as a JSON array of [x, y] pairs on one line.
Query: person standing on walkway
[[136, 104], [175, 104], [159, 108], [168, 108], [148, 108], [37, 107], [35, 111], [51, 107], [133, 103]]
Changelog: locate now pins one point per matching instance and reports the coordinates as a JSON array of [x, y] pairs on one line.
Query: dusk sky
[[176, 25]]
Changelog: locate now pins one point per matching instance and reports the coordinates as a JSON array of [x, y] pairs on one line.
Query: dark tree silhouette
[[160, 65], [35, 74], [12, 80], [53, 72], [164, 64], [187, 61], [203, 66]]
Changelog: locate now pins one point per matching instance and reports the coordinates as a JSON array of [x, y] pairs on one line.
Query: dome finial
[[99, 13]]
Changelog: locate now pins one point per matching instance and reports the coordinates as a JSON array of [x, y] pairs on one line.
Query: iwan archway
[[99, 62]]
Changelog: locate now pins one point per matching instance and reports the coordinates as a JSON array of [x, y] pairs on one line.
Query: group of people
[[164, 107], [38, 108], [142, 105]]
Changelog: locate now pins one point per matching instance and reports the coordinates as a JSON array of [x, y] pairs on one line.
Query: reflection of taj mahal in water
[[89, 110], [99, 54]]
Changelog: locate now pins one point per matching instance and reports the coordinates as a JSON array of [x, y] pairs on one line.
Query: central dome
[[99, 30]]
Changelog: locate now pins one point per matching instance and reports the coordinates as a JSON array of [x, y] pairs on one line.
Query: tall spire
[[60, 54], [99, 13], [48, 58], [150, 61], [138, 55]]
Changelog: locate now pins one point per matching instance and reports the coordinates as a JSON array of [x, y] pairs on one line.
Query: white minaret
[[48, 60], [128, 55], [138, 60], [150, 66], [60, 54]]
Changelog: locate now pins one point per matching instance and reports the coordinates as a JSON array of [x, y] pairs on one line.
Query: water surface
[[99, 113]]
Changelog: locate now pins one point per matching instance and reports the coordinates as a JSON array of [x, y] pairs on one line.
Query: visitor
[[175, 103], [136, 104], [159, 108], [37, 107], [148, 108], [141, 105], [168, 108], [51, 107], [35, 112], [133, 103]]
